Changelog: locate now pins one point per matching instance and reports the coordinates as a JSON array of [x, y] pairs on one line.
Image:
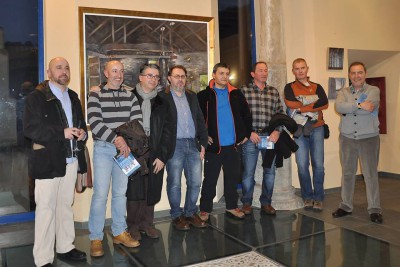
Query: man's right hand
[[254, 138], [121, 145], [70, 133]]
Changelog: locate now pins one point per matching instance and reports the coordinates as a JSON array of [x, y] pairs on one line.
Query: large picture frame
[[136, 37]]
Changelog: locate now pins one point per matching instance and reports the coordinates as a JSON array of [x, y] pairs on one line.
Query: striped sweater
[[108, 109]]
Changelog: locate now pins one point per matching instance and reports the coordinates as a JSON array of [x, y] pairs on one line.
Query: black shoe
[[340, 213], [376, 217], [73, 255], [48, 265]]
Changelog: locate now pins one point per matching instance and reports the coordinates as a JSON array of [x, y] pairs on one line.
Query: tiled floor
[[292, 238]]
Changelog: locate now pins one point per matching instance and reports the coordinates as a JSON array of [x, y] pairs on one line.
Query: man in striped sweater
[[108, 109]]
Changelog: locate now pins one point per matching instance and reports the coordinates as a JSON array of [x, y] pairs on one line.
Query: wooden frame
[[124, 35]]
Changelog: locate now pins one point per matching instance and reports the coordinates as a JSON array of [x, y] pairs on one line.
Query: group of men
[[222, 125]]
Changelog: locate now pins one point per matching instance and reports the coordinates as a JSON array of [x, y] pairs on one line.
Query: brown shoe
[[247, 209], [126, 240], [196, 221], [235, 213], [96, 248], [318, 207], [135, 234], [150, 232], [180, 223], [204, 216], [268, 209], [308, 204]]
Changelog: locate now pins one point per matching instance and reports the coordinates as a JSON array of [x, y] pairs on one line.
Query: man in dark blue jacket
[[229, 125]]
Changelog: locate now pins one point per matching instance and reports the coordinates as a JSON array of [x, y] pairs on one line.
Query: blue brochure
[[265, 144], [128, 165]]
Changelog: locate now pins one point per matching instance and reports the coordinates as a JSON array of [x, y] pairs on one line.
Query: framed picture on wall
[[335, 84], [335, 58], [136, 38]]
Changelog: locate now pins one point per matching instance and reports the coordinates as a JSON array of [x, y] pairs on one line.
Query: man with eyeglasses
[[145, 191], [189, 143], [107, 109]]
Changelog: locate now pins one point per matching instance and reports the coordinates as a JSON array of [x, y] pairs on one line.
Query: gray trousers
[[367, 150]]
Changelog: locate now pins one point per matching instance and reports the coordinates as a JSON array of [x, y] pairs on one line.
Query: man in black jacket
[[55, 124], [229, 123], [189, 147], [145, 191]]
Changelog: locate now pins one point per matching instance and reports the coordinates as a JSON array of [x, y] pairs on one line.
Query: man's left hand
[[158, 165], [274, 136]]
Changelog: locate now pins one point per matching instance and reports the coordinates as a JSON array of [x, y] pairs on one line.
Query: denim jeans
[[311, 146], [106, 171], [186, 158], [249, 159]]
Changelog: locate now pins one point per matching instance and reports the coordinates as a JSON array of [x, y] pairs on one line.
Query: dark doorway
[[380, 82]]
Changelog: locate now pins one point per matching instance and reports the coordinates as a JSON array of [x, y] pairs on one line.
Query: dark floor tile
[[177, 248], [258, 229], [381, 232], [338, 247]]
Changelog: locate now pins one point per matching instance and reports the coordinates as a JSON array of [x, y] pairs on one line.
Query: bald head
[[114, 72], [58, 72]]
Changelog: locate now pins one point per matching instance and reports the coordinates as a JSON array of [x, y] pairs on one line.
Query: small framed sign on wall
[[335, 58]]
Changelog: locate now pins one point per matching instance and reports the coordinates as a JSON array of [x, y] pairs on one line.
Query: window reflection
[[18, 77]]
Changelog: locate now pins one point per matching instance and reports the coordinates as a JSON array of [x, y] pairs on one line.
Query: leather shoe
[[376, 217], [73, 255], [150, 232], [247, 209], [268, 209], [196, 221], [235, 213], [181, 224], [340, 213]]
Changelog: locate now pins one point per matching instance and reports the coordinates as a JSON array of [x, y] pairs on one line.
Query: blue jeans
[[311, 146], [249, 158], [106, 171], [186, 158]]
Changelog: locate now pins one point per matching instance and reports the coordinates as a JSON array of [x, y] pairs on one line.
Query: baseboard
[[389, 175]]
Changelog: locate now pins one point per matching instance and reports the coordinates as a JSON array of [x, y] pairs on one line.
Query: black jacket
[[197, 116], [240, 111], [44, 124], [161, 135], [285, 145]]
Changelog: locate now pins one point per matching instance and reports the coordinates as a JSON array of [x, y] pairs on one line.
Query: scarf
[[146, 106]]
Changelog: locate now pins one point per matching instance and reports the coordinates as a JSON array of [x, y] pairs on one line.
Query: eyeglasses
[[182, 77], [151, 76]]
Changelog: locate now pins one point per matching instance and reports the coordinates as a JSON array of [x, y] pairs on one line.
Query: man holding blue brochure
[[264, 102], [358, 106], [109, 108]]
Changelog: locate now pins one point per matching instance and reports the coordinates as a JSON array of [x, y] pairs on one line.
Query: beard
[[62, 80]]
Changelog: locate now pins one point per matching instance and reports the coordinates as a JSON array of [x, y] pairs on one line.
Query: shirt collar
[[353, 90], [56, 90], [176, 95]]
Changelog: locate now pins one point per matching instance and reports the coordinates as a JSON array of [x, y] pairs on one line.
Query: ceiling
[[369, 57]]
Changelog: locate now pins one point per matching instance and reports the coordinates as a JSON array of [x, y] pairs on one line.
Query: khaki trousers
[[54, 218]]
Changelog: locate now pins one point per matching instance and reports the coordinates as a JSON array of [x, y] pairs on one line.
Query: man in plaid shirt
[[264, 102]]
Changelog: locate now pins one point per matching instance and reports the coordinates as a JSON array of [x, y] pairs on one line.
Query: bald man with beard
[[52, 114]]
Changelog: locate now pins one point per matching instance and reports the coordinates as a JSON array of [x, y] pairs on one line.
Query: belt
[[260, 130]]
